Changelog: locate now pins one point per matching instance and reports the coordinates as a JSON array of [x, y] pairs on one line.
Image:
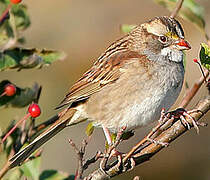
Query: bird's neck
[[166, 55]]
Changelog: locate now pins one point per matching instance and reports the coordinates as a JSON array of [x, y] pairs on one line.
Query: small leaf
[[205, 55], [127, 135], [15, 174], [89, 129], [28, 58], [113, 138], [25, 98], [126, 28], [22, 20], [22, 97], [31, 169], [191, 11], [54, 174]]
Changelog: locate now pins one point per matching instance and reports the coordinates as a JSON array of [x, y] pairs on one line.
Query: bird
[[127, 86]]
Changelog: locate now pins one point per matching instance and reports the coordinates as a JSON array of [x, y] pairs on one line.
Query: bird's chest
[[149, 94], [136, 98]]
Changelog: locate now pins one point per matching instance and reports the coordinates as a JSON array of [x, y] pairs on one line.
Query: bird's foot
[[181, 114]]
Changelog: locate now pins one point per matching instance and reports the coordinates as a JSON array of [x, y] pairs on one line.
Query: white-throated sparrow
[[128, 85]]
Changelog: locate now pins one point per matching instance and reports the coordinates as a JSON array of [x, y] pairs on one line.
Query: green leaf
[[113, 138], [205, 55], [20, 58], [89, 129], [22, 20], [22, 97], [31, 169], [54, 174], [191, 11], [17, 20], [127, 135], [15, 174], [126, 28]]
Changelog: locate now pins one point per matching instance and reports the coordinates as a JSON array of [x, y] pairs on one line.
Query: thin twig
[[177, 8], [92, 160], [5, 13], [6, 167], [80, 156], [191, 93]]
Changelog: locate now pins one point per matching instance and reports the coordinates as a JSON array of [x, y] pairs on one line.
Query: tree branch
[[176, 9]]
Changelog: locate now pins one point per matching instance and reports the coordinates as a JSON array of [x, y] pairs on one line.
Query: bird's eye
[[163, 39]]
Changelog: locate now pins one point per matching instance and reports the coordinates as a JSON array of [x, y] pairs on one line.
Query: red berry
[[10, 90], [15, 1], [195, 60], [34, 110]]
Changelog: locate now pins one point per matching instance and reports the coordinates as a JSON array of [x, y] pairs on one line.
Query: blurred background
[[83, 30]]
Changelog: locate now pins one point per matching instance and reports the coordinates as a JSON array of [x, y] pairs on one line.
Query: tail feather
[[60, 124]]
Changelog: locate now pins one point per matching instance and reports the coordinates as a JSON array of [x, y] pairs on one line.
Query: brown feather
[[106, 70]]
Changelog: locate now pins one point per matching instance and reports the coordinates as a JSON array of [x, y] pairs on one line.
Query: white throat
[[172, 54]]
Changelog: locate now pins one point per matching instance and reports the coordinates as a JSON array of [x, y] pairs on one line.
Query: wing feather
[[105, 71]]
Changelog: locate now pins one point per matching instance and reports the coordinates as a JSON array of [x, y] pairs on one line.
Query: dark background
[[83, 29]]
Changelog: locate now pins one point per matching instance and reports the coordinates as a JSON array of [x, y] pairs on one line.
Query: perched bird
[[128, 85]]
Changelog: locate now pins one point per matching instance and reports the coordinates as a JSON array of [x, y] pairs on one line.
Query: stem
[[6, 167], [5, 12], [191, 93], [3, 94], [202, 71], [15, 126], [177, 8]]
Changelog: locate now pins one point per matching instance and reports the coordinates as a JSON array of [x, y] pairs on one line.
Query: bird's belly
[[137, 113], [132, 104]]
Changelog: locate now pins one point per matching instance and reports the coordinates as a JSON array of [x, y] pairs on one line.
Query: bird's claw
[[181, 114]]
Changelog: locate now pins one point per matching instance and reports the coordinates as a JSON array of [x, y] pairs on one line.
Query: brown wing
[[106, 70]]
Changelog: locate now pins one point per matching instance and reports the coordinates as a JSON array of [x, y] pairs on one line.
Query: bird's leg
[[111, 150], [107, 135], [162, 121]]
